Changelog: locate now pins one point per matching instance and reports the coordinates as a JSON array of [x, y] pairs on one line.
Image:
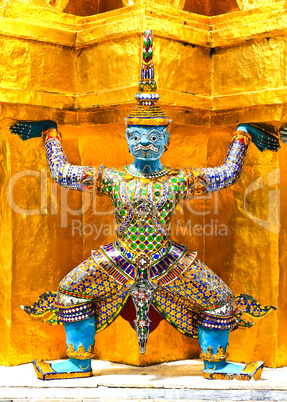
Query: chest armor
[[143, 211]]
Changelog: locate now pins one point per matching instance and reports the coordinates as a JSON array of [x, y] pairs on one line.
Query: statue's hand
[[283, 133], [264, 136], [31, 129]]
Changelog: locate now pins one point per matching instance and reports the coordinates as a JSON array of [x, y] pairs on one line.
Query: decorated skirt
[[187, 292]]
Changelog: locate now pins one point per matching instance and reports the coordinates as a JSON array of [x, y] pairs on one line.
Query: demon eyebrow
[[137, 131], [155, 130]]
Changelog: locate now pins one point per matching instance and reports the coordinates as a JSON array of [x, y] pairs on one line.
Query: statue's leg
[[87, 299], [213, 344], [199, 303], [80, 345], [214, 325], [80, 337]]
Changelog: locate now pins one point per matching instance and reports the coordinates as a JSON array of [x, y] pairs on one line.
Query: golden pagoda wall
[[83, 73]]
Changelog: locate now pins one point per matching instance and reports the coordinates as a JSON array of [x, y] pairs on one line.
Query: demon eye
[[136, 137], [153, 138]]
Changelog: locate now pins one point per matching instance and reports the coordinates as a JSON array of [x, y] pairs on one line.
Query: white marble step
[[173, 381]]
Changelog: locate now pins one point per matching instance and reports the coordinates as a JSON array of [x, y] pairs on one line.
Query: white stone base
[[174, 381]]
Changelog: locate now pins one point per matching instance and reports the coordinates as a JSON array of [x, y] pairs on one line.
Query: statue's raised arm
[[82, 178], [206, 180]]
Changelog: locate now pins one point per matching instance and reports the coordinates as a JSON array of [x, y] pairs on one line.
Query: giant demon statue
[[144, 262]]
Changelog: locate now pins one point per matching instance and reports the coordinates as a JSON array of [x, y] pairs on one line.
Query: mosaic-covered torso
[[144, 205], [143, 209]]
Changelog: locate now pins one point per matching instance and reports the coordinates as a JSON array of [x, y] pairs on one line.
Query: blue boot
[[213, 344], [80, 339]]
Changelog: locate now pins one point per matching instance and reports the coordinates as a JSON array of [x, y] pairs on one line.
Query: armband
[[51, 133], [242, 136], [98, 180]]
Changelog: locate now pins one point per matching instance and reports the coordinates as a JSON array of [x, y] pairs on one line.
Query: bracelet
[[242, 136], [190, 181], [51, 133], [98, 181], [88, 178]]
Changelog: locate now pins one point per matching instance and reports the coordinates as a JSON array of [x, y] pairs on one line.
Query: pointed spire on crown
[[147, 113]]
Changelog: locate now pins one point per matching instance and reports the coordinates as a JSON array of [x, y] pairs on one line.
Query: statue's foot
[[72, 368], [232, 371]]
